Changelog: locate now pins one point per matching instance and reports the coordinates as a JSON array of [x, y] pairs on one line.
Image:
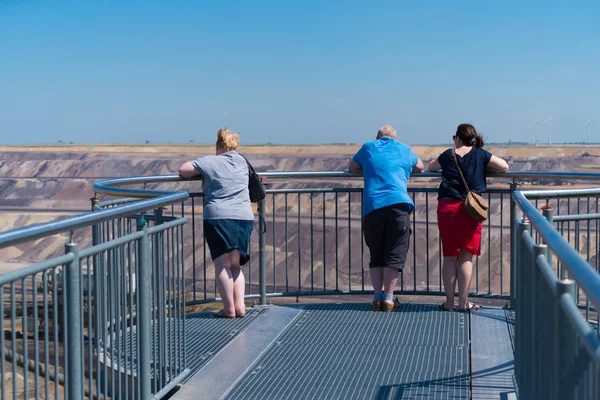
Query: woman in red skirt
[[460, 234]]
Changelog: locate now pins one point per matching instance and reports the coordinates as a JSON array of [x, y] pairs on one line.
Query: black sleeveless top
[[473, 166]]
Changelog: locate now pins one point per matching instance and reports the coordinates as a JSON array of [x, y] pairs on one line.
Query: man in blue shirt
[[386, 165]]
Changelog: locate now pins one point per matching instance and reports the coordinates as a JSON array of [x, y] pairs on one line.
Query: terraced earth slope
[[41, 183]]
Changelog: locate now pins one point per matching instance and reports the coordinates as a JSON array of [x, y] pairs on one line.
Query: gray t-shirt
[[225, 186]]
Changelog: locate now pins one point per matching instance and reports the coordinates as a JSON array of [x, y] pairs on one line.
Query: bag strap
[[250, 167], [460, 171], [262, 223]]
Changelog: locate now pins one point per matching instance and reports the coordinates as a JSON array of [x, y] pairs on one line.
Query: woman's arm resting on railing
[[188, 170], [434, 165], [497, 164]]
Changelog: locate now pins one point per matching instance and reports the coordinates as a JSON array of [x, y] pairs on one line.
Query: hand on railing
[[193, 178]]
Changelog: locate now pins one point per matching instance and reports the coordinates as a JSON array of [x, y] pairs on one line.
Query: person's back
[[473, 165], [459, 232], [225, 186], [387, 165], [228, 218]]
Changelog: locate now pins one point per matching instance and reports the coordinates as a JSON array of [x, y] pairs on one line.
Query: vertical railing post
[[73, 346], [538, 334], [159, 313], [98, 272], [515, 297], [96, 227], [95, 203], [564, 348], [144, 317], [522, 366], [262, 253], [547, 212], [513, 245]]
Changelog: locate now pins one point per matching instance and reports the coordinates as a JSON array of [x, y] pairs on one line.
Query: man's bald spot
[[387, 130]]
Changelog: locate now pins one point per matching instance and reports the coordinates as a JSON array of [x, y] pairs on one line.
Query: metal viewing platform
[[122, 313]]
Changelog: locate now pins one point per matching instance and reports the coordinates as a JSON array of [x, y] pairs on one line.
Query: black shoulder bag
[[257, 191]]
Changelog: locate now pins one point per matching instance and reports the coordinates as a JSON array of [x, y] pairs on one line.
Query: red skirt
[[457, 230]]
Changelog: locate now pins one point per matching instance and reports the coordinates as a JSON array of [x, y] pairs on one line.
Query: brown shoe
[[377, 305], [391, 306]]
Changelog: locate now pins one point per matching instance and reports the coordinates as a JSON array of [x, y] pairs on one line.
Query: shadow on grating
[[347, 351], [510, 320], [207, 335]]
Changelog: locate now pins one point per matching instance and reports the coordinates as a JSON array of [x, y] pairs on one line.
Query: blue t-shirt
[[473, 166], [386, 165]]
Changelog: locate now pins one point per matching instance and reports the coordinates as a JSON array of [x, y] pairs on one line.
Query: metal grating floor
[[119, 347], [346, 351], [207, 335]]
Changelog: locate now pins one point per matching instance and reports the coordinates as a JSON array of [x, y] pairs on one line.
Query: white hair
[[387, 130]]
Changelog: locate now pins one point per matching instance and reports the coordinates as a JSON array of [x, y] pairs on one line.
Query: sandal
[[472, 306], [221, 314], [443, 307], [240, 315]]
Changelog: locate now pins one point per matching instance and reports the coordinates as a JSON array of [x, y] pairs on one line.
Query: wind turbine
[[588, 124], [537, 131], [550, 135]]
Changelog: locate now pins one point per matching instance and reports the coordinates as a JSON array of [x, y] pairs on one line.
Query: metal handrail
[[112, 186], [21, 235], [580, 270], [562, 193], [430, 174]]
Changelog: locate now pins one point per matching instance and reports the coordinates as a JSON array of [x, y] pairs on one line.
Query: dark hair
[[469, 136]]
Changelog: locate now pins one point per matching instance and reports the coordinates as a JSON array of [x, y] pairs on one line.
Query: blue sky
[[296, 71]]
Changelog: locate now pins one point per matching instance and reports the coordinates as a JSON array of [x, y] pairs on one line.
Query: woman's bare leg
[[449, 277], [465, 271], [239, 283], [225, 283]]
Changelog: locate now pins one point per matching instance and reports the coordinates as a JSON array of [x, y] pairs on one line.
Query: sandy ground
[[66, 199], [8, 266], [423, 151]]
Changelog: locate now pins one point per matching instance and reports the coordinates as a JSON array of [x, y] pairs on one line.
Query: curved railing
[[325, 214], [139, 274], [156, 200], [113, 186], [557, 344], [314, 210], [106, 291]]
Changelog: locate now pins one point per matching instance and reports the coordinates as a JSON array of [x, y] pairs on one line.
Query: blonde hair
[[227, 140]]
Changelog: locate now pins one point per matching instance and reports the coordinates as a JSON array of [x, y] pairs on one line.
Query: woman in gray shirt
[[228, 217]]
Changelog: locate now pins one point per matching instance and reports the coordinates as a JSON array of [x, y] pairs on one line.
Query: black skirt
[[225, 235]]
